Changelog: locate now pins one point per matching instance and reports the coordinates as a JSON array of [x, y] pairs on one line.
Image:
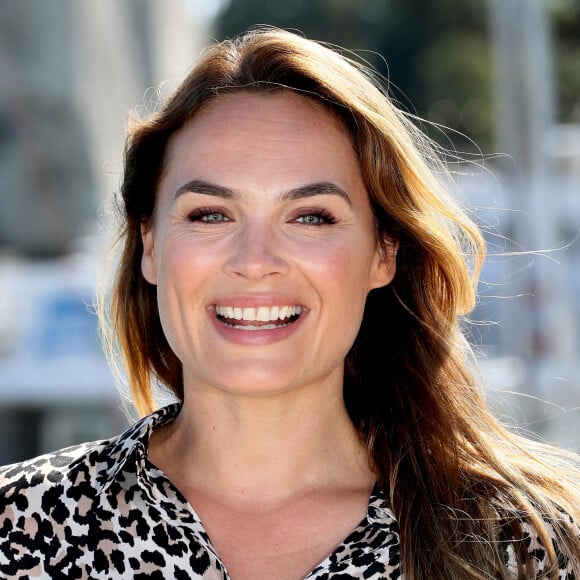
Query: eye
[[208, 215], [316, 218]]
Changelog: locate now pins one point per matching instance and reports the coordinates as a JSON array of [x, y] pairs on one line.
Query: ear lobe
[[385, 265], [148, 266]]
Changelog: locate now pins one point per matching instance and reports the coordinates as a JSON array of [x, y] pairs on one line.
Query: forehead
[[247, 114], [263, 142]]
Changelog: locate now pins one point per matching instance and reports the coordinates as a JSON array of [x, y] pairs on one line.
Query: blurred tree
[[435, 53], [566, 21]]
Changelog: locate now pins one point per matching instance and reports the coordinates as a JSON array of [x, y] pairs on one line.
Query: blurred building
[[47, 192], [70, 72]]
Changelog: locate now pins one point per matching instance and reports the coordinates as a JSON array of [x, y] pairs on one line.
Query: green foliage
[[435, 55], [566, 24], [432, 53]]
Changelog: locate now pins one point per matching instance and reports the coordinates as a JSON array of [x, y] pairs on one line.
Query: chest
[[125, 533], [283, 542]]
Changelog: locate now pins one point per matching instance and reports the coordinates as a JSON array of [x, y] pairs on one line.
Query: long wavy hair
[[455, 478]]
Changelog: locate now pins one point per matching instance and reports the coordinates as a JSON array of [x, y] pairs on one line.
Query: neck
[[264, 447]]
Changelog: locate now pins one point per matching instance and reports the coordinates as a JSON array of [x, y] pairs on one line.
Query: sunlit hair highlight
[[456, 479]]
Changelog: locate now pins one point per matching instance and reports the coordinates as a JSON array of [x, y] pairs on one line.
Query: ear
[[384, 263], [148, 265]]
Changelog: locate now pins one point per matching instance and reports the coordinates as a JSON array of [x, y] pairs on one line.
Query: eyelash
[[200, 214], [326, 218]]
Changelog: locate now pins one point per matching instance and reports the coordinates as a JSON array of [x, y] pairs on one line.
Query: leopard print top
[[102, 510]]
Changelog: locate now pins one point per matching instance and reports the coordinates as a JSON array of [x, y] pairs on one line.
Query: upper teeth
[[261, 314]]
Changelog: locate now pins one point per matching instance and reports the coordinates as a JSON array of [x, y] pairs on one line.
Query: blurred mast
[[538, 325]]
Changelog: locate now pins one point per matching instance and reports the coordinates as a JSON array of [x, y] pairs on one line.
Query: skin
[[264, 449]]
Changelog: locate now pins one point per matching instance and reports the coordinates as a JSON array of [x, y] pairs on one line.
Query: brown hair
[[456, 479]]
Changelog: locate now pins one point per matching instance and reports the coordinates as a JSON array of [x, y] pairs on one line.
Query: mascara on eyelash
[[199, 213], [326, 217]]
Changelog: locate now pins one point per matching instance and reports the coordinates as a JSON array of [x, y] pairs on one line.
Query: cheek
[[180, 272], [182, 261], [341, 274], [342, 286]]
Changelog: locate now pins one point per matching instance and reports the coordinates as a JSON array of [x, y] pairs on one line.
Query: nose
[[257, 253]]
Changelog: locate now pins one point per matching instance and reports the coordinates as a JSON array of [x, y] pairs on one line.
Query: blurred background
[[496, 81]]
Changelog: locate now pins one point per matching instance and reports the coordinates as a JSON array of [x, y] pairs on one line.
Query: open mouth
[[261, 318]]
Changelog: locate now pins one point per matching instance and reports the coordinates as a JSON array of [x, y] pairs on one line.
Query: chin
[[260, 384]]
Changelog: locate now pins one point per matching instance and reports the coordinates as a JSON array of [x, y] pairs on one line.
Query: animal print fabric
[[101, 510]]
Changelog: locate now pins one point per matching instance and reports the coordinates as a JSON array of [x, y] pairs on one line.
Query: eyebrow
[[319, 188]]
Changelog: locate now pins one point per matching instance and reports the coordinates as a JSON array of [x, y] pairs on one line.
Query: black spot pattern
[[100, 510]]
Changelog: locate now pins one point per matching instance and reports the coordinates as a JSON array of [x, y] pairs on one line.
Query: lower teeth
[[233, 324], [252, 327]]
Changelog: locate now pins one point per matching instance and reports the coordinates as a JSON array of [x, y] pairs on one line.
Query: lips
[[258, 318]]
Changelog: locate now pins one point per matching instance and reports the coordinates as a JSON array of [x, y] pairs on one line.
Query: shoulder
[[74, 472], [43, 480], [42, 502], [56, 508], [528, 543]]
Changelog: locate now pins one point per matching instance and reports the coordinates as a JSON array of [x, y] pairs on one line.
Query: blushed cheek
[[172, 289], [341, 266]]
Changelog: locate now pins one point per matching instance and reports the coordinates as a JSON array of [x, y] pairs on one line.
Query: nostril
[[257, 264]]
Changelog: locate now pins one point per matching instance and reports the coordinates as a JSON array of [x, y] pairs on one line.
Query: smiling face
[[263, 246]]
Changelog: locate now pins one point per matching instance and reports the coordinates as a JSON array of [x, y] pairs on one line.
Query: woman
[[294, 274]]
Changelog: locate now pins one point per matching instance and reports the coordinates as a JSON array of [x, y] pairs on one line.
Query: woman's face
[[263, 247]]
